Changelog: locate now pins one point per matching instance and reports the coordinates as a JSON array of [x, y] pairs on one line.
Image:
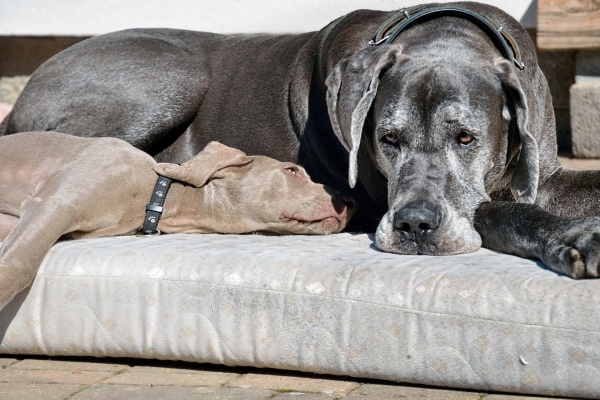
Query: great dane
[[436, 118]]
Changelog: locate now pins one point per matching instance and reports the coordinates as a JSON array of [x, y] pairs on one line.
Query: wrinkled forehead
[[422, 89], [268, 163]]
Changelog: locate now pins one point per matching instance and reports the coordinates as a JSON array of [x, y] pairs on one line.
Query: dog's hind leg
[[41, 224], [571, 193]]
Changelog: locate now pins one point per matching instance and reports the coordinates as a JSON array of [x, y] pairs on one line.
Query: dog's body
[[429, 127], [56, 186]]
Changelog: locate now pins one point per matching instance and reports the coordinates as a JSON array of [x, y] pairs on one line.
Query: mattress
[[325, 304]]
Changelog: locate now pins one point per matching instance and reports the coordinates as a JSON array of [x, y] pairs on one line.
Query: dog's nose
[[418, 217], [344, 202], [349, 202]]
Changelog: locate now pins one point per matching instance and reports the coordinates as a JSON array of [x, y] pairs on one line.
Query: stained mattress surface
[[326, 304]]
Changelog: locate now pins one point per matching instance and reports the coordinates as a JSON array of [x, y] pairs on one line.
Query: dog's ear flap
[[200, 169], [526, 176], [351, 88]]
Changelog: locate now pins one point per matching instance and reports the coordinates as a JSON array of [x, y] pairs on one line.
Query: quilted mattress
[[327, 304]]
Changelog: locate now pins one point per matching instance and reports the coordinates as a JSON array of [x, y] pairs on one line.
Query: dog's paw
[[575, 249]]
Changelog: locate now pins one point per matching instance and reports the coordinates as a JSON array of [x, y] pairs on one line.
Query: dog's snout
[[417, 218], [349, 202], [343, 202]]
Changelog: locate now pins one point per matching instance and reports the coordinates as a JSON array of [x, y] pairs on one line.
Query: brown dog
[[56, 186]]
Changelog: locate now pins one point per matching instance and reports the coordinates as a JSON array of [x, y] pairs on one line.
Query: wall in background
[[31, 31], [88, 18]]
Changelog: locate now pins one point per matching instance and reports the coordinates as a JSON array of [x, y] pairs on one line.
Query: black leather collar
[[154, 208], [407, 17]]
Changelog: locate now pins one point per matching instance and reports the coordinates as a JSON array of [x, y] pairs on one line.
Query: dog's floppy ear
[[351, 88], [525, 179], [200, 169]]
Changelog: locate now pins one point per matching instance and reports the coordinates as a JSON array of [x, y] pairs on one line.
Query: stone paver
[[5, 362], [511, 397], [12, 391], [585, 119], [412, 392], [136, 392], [69, 365], [34, 378], [156, 378], [48, 376], [307, 396], [289, 382], [179, 368]]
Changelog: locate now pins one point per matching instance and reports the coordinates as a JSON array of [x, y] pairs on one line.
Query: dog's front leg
[[565, 245], [41, 224]]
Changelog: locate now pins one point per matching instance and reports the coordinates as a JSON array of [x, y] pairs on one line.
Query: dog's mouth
[[459, 237], [323, 223]]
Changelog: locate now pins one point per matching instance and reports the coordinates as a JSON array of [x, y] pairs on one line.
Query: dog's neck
[[189, 209]]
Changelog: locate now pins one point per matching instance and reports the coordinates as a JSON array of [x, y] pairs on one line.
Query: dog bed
[[327, 304]]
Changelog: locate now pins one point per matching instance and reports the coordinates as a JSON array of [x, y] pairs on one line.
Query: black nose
[[341, 201], [418, 217], [349, 202]]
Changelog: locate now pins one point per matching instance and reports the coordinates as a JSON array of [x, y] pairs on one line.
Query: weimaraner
[[55, 186], [436, 118]]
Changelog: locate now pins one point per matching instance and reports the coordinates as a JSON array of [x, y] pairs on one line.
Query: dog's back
[[30, 161]]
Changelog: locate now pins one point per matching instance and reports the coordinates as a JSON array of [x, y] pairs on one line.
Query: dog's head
[[257, 193], [444, 134]]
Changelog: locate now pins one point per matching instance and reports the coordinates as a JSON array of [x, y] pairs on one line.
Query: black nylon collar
[[154, 208], [407, 17]]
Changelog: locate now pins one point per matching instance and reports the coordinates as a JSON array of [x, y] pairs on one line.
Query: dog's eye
[[464, 138], [390, 138], [292, 170]]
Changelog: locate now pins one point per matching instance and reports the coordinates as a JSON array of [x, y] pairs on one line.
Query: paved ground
[[566, 159], [87, 378]]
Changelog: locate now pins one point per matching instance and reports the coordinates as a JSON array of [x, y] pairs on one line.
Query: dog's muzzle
[[420, 227]]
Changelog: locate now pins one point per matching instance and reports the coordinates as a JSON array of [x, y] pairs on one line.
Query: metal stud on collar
[[154, 208]]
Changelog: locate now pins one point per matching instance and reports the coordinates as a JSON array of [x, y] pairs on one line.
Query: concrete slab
[[69, 365], [414, 392], [585, 119], [5, 362], [15, 376], [157, 378], [136, 392], [301, 384], [25, 391]]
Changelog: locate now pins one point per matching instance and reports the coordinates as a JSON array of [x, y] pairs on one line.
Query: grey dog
[[437, 119]]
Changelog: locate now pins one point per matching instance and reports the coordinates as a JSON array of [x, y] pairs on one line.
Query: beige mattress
[[327, 304]]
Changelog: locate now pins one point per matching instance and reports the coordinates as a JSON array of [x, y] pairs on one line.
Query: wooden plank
[[568, 24]]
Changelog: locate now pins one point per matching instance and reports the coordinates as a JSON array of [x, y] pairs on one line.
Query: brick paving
[[34, 378]]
